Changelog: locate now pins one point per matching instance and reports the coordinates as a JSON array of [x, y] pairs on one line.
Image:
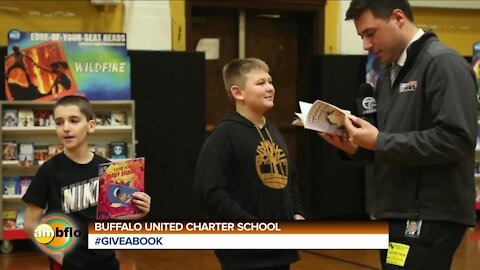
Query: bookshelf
[[45, 136]]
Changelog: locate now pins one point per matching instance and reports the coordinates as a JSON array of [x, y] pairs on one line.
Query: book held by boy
[[117, 182], [321, 116]]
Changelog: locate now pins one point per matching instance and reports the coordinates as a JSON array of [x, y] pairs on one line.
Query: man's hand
[[361, 132], [341, 142]]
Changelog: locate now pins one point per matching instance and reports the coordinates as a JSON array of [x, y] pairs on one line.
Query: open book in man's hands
[[321, 116]]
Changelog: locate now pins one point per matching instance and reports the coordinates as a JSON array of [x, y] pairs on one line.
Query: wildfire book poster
[[118, 181], [46, 66]]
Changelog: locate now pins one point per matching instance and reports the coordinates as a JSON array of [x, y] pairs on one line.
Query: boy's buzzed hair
[[82, 103], [234, 72], [381, 9]]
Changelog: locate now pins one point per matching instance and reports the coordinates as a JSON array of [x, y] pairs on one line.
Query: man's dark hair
[[82, 103], [381, 9]]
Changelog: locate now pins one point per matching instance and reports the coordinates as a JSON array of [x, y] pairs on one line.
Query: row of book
[[16, 185], [29, 153], [43, 118], [13, 219]]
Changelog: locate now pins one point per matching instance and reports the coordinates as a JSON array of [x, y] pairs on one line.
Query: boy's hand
[[298, 217], [142, 201]]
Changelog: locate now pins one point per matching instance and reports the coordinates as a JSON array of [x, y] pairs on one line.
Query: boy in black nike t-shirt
[[74, 167], [244, 171]]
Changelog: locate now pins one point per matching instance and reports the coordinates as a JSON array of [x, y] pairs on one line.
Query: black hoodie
[[244, 173]]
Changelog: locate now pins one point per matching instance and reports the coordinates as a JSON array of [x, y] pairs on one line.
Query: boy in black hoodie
[[243, 171]]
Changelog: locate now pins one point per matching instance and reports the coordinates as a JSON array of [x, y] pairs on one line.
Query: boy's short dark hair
[[234, 72], [82, 103], [381, 9]]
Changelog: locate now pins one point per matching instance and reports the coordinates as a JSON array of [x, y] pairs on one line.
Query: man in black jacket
[[423, 149]]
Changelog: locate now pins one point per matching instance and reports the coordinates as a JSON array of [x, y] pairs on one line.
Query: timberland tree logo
[[56, 234], [272, 165]]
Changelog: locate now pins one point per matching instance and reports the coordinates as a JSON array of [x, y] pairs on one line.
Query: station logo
[[56, 234]]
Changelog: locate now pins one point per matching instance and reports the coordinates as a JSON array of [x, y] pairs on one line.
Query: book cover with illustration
[[42, 118], [119, 118], [321, 116], [118, 150], [10, 117], [25, 153], [46, 66], [9, 219], [9, 151], [117, 182], [11, 185], [26, 118]]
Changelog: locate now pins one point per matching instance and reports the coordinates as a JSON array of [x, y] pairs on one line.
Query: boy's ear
[[236, 92], [92, 125]]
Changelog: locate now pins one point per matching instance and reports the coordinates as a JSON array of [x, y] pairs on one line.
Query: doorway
[[285, 35]]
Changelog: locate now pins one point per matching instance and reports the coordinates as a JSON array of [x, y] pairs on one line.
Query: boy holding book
[[66, 172], [243, 171]]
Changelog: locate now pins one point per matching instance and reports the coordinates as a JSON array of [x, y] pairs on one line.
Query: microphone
[[366, 104]]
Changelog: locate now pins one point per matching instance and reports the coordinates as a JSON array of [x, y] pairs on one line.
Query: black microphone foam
[[365, 90], [366, 103]]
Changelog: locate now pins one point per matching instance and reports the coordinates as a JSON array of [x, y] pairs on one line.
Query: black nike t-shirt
[[63, 186]]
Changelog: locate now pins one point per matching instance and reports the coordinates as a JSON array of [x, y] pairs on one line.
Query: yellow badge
[[397, 253]]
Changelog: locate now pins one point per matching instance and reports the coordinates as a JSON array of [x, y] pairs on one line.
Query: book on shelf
[[9, 219], [9, 151], [11, 185], [118, 180], [23, 184], [321, 116], [54, 149], [42, 118], [20, 220], [118, 150], [10, 117], [25, 153], [103, 118], [102, 150], [119, 118], [41, 153], [25, 118]]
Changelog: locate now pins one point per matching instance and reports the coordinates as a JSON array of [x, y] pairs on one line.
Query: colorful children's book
[[42, 118], [24, 183], [9, 151], [11, 185], [117, 182], [41, 153], [9, 219]]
